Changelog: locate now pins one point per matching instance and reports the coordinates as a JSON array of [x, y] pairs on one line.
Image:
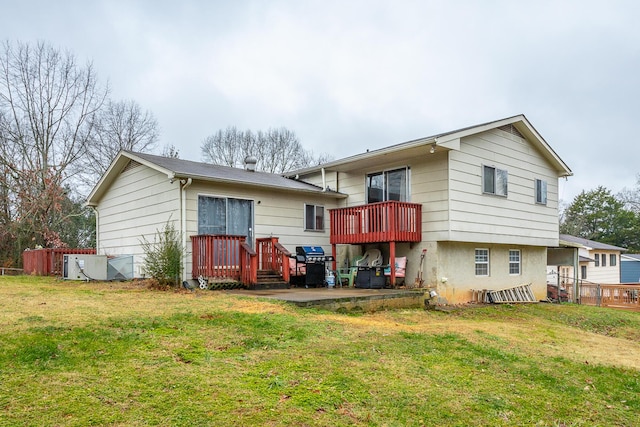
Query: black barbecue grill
[[314, 259]]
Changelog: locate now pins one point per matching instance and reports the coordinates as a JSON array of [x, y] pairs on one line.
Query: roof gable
[[516, 125]]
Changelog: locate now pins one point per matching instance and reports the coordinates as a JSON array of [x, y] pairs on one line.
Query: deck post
[[392, 262], [334, 252]]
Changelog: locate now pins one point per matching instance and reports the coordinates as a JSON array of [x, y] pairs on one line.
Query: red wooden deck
[[377, 223]]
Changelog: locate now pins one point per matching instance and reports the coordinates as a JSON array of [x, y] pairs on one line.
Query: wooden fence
[[626, 296], [48, 262]]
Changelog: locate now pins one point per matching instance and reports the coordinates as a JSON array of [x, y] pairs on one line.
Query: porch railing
[[377, 222], [248, 265], [614, 296], [221, 257], [217, 256], [274, 256]]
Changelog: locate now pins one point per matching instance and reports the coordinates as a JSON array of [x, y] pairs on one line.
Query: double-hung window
[[494, 181], [596, 257], [603, 259], [313, 218], [613, 260], [514, 261], [541, 192], [388, 185], [482, 262]]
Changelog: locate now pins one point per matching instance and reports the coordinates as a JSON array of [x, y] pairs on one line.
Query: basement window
[[482, 262]]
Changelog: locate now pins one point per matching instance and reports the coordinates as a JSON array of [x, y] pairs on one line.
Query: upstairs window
[[541, 192], [494, 181], [388, 185], [603, 259], [613, 260], [313, 218], [596, 257]]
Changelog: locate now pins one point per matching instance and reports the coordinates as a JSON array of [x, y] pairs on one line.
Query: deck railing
[[48, 261], [248, 265], [377, 222], [273, 256], [615, 296], [218, 256], [231, 258]]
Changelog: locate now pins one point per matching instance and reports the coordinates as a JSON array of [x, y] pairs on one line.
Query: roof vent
[[250, 163]]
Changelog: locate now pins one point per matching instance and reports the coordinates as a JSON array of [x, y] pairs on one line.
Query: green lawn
[[80, 354]]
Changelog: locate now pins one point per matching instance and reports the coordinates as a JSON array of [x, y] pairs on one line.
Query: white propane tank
[[330, 279]]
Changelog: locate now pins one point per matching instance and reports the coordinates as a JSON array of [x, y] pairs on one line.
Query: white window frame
[[515, 264], [385, 177], [316, 219], [499, 185], [613, 260], [603, 260], [596, 258], [541, 191], [482, 262]]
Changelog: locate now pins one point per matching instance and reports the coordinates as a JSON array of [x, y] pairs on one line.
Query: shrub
[[163, 256]]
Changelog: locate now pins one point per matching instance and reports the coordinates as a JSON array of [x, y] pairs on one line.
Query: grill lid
[[309, 251]]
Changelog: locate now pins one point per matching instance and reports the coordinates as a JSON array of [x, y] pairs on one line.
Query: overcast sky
[[348, 76]]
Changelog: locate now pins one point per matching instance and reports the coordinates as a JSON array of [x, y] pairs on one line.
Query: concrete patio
[[343, 299]]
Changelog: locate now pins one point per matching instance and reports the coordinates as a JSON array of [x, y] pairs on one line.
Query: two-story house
[[482, 201]]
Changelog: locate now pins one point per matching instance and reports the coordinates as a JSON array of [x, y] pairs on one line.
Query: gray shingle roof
[[590, 243], [209, 172]]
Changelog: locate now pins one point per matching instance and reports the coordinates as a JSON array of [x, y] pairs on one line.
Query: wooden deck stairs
[[268, 279]]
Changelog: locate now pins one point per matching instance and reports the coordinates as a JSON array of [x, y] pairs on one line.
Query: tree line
[[605, 217], [60, 131]]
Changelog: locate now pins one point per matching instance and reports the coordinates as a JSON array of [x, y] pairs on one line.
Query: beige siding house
[[141, 192], [482, 201], [489, 199]]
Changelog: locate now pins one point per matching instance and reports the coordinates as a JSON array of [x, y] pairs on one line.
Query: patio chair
[[371, 258], [401, 268], [349, 273]]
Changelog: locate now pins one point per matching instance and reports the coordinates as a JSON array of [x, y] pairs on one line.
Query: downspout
[[95, 212], [324, 180], [183, 217]]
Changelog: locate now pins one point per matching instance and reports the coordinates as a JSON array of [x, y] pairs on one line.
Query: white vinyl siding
[[139, 203], [516, 220]]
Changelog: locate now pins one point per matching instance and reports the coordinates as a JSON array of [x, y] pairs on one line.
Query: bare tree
[[117, 126], [277, 150], [170, 151], [47, 108], [48, 102]]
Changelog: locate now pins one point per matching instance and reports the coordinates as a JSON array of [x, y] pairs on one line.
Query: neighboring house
[[630, 268], [482, 201], [598, 262]]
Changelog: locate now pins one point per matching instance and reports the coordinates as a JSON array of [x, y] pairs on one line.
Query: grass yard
[[118, 354]]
